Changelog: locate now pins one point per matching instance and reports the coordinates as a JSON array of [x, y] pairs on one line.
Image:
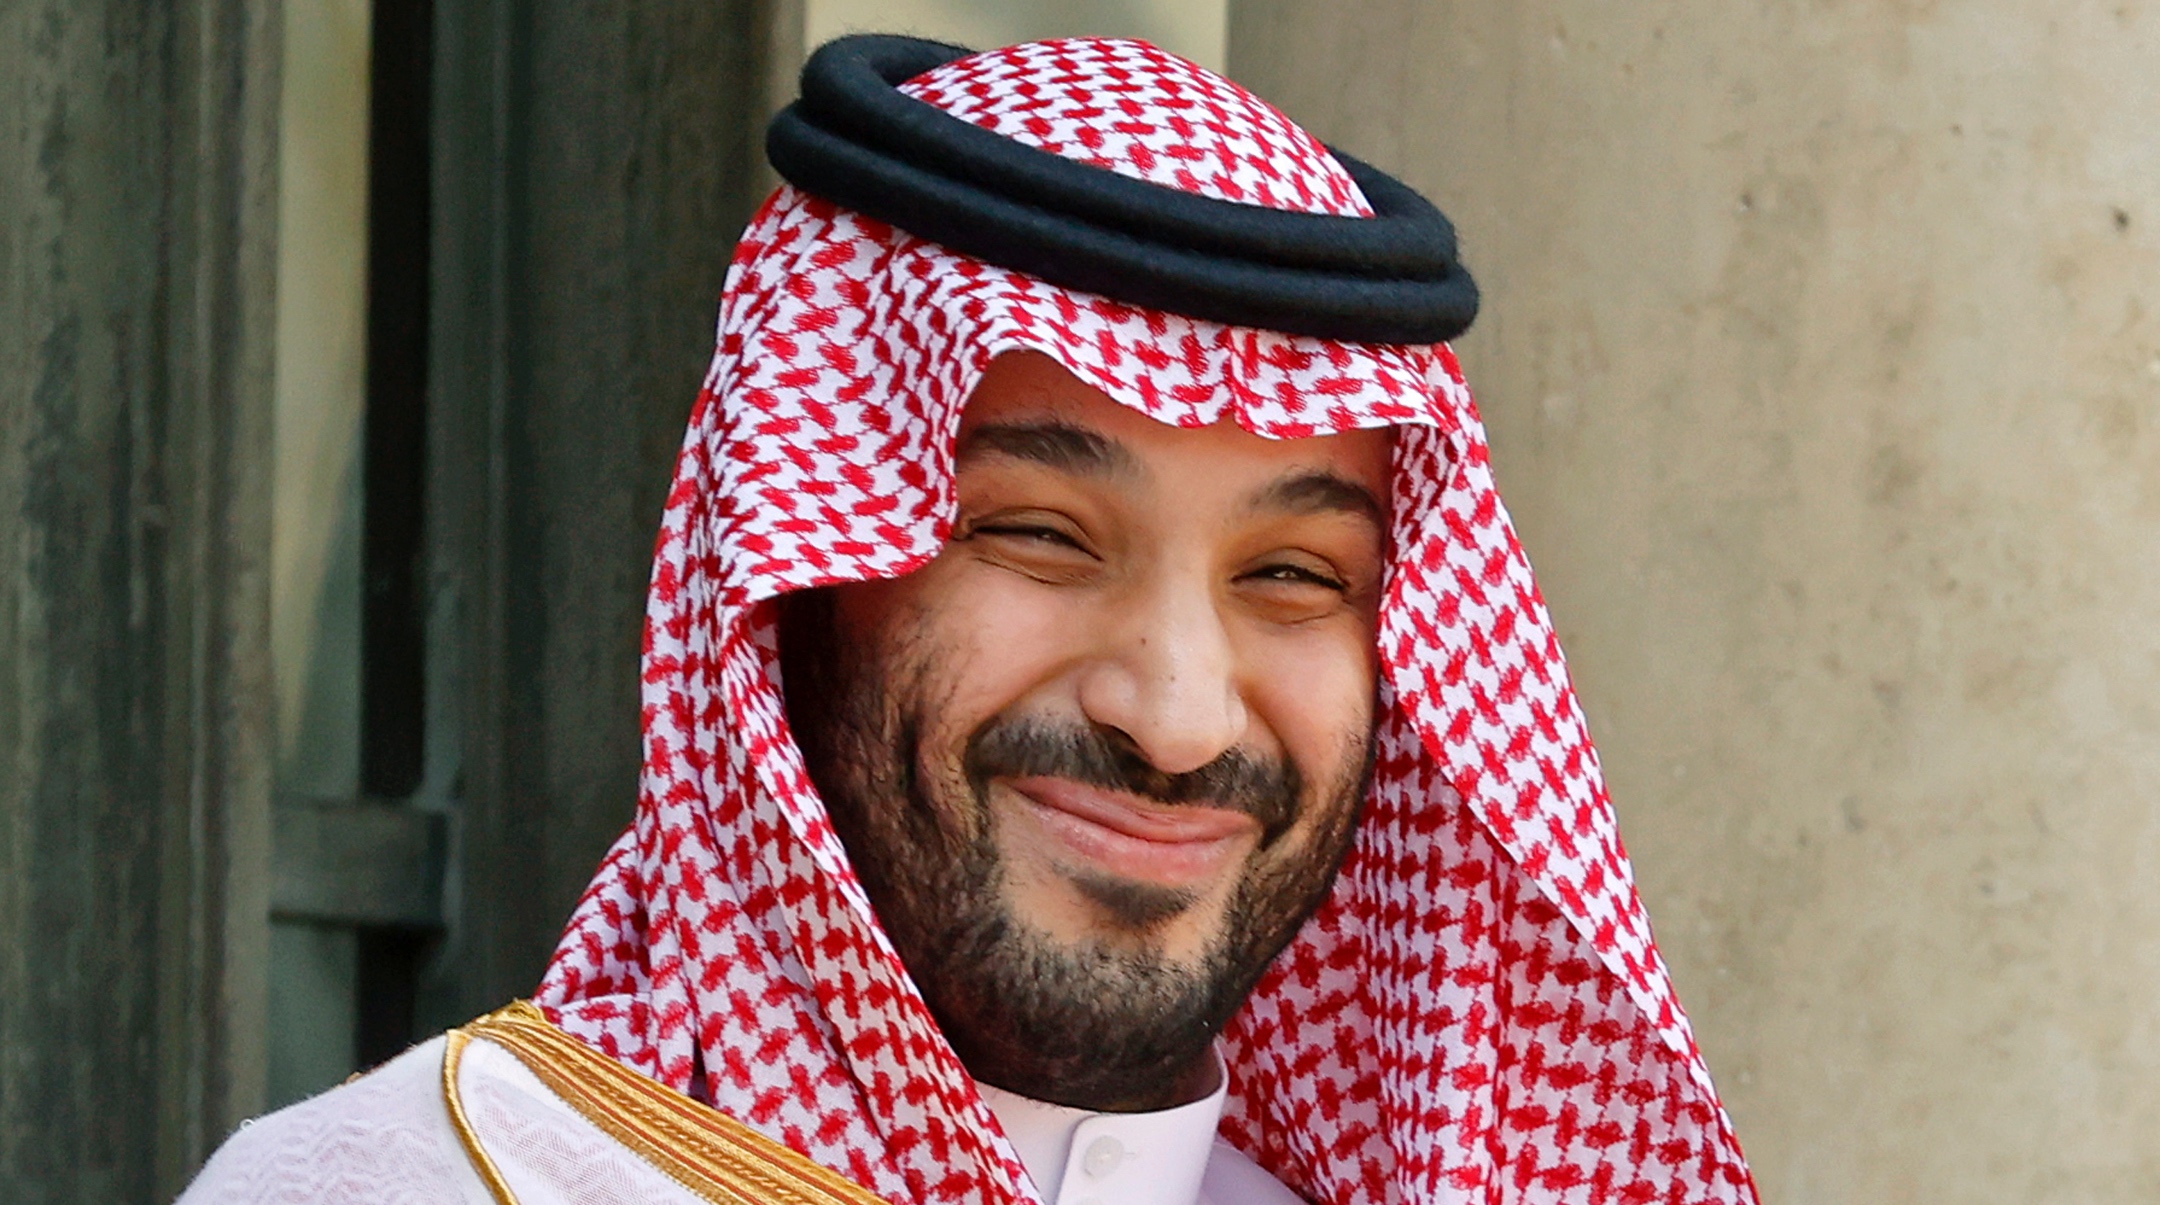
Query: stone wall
[[1823, 375]]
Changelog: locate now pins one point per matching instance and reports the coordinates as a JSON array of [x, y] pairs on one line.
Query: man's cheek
[[990, 664], [1008, 618]]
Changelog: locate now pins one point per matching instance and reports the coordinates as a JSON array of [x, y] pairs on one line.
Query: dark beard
[[1102, 1026]]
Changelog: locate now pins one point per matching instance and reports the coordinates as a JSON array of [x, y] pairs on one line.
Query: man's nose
[[1167, 677]]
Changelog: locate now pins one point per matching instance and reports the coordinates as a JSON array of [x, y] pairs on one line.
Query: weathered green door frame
[[137, 259], [594, 165], [591, 167]]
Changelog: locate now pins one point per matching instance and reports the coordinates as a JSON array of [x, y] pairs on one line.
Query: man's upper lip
[[1145, 820]]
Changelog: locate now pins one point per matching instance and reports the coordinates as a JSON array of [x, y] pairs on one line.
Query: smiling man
[[1103, 740], [1098, 760]]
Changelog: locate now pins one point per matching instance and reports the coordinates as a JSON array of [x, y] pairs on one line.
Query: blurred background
[[345, 347]]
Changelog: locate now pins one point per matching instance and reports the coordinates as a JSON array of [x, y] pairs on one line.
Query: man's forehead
[[1030, 407]]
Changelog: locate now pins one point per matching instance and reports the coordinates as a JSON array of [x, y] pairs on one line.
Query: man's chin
[[1085, 916], [1084, 1012]]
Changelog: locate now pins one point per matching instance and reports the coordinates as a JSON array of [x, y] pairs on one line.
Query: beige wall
[[1823, 376], [1193, 28]]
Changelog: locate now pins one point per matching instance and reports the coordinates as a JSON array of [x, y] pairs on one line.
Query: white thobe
[[1167, 1157], [387, 1138]]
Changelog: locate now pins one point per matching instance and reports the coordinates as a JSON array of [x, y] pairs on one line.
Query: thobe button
[[1103, 1156]]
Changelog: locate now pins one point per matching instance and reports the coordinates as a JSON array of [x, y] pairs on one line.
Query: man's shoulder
[[386, 1136]]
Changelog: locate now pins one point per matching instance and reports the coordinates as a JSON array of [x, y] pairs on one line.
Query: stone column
[[1822, 364], [137, 259]]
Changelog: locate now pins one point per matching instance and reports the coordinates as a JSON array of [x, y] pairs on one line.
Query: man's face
[[1098, 760]]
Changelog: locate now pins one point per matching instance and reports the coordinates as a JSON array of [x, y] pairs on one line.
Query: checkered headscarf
[[1476, 1014]]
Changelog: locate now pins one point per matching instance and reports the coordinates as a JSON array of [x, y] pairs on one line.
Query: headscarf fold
[[1477, 1012]]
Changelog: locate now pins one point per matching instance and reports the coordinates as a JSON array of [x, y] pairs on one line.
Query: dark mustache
[[1236, 781]]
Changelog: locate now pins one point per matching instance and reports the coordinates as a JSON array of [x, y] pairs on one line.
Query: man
[[1103, 742]]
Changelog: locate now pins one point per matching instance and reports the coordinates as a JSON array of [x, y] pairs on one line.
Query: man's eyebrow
[[1319, 491], [1055, 445]]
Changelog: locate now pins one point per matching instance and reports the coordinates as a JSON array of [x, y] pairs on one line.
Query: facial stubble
[[1104, 1024]]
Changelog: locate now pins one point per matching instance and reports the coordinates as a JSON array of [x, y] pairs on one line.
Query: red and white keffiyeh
[[1476, 1014]]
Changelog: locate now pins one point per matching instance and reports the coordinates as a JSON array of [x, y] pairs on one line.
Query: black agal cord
[[857, 141]]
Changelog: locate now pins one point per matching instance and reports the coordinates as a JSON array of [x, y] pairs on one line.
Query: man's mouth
[[1179, 846]]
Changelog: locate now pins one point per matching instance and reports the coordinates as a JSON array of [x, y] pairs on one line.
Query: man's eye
[[1026, 531], [1298, 575]]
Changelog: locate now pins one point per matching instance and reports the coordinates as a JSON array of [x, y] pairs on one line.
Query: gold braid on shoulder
[[713, 1155]]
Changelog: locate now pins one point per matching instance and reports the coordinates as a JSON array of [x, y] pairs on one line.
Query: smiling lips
[[1178, 846]]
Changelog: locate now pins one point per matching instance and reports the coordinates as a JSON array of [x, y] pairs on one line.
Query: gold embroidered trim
[[706, 1151], [452, 1056]]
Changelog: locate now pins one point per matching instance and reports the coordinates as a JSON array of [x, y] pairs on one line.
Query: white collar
[[1080, 1158]]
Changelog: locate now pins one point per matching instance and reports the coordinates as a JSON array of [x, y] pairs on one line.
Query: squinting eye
[[1041, 535], [1297, 575]]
